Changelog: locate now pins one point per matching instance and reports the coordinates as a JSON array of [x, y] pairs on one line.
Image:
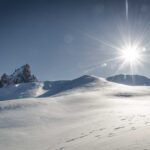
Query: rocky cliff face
[[21, 75]]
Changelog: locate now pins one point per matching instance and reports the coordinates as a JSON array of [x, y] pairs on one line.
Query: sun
[[130, 54]]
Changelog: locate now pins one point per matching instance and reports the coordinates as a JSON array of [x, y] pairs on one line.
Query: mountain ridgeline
[[134, 80], [20, 75], [22, 84], [23, 75]]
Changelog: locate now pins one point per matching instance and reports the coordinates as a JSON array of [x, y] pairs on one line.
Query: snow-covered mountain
[[22, 84], [87, 113], [48, 88], [20, 75], [135, 80]]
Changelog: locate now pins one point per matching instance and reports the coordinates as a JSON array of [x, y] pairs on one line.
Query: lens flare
[[131, 54]]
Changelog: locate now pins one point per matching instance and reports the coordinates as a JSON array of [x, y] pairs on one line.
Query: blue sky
[[65, 39]]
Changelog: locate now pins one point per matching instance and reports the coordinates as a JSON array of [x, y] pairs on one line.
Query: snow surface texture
[[98, 115]]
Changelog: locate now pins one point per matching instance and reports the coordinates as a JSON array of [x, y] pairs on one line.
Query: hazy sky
[[63, 39]]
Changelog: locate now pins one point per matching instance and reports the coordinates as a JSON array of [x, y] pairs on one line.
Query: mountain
[[47, 88], [86, 81], [134, 80], [22, 84], [85, 113], [20, 75], [90, 114]]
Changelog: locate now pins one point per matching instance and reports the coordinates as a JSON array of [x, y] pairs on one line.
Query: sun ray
[[127, 9]]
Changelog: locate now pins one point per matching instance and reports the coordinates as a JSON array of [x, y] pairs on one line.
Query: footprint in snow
[[73, 139], [92, 131], [117, 128], [123, 119], [61, 148]]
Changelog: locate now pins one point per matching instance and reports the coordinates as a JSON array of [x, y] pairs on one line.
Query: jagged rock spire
[[21, 75]]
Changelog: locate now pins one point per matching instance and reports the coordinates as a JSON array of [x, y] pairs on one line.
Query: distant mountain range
[[22, 84], [134, 80]]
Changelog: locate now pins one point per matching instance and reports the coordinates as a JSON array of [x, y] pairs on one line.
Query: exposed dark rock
[[21, 75]]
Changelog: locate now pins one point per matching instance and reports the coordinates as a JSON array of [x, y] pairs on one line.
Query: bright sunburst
[[129, 51], [130, 54]]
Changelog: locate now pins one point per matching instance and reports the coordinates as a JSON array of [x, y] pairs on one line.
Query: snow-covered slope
[[48, 88], [56, 88], [87, 113], [23, 90], [98, 116]]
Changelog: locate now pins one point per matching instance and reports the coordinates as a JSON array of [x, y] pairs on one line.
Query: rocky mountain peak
[[20, 75]]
